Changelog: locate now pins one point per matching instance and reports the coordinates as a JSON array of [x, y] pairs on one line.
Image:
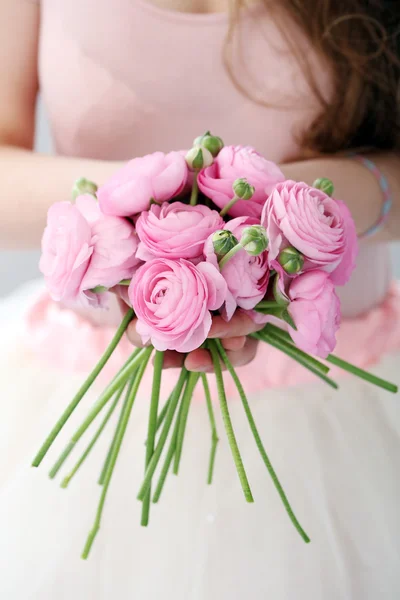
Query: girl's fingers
[[234, 343], [200, 360], [244, 356], [173, 360], [239, 325], [133, 335]]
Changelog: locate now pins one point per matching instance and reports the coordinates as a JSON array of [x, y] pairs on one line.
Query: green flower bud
[[83, 186], [223, 241], [291, 260], [254, 239], [199, 157], [243, 189], [325, 185], [212, 143]]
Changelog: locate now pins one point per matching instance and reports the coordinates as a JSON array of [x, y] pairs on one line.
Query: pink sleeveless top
[[122, 78]]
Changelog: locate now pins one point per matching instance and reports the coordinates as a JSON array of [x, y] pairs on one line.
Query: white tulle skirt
[[337, 455]]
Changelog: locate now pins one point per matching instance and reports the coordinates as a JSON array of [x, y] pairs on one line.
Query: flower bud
[[199, 157], [254, 239], [243, 189], [325, 185], [223, 241], [83, 186], [213, 143], [291, 260]]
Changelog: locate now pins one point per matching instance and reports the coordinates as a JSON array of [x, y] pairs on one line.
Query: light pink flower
[[246, 276], [234, 162], [318, 226], [66, 251], [315, 309], [156, 176], [114, 243], [82, 249], [172, 300], [176, 230]]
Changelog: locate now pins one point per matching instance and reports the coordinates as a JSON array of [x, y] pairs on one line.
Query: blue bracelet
[[387, 196]]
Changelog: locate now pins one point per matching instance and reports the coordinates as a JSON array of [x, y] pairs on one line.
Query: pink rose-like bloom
[[176, 230], [172, 300], [156, 176], [315, 309], [318, 226], [114, 243], [246, 276], [234, 162], [82, 248], [66, 250]]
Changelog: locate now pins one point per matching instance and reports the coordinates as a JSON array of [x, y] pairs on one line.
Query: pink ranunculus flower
[[246, 276], [176, 230], [114, 243], [318, 226], [234, 162], [343, 271], [156, 176], [66, 251], [315, 310], [82, 249], [172, 300]]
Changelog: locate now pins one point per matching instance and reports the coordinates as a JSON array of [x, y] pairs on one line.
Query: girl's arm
[[30, 183], [357, 187]]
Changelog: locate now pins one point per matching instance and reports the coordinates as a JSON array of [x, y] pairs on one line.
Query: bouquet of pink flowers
[[182, 237]]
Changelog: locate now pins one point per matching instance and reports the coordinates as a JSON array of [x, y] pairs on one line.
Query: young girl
[[307, 84]]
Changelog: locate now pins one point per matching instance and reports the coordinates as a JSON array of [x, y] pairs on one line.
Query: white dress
[[336, 453]]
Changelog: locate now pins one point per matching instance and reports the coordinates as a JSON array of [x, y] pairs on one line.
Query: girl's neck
[[194, 6]]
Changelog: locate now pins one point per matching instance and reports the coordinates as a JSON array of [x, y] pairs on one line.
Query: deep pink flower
[[234, 162], [176, 230], [318, 226], [315, 309], [246, 276]]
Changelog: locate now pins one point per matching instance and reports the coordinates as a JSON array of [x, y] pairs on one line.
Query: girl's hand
[[240, 348]]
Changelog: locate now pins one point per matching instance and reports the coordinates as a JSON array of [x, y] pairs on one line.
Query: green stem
[[170, 455], [228, 423], [176, 394], [151, 432], [106, 464], [259, 443], [214, 434], [109, 413], [162, 414], [186, 401], [296, 354], [229, 255], [119, 436], [125, 282], [267, 304], [83, 389], [195, 190], [342, 364], [228, 206], [120, 379], [382, 383]]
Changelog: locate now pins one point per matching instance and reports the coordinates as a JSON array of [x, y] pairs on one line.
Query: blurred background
[[17, 267]]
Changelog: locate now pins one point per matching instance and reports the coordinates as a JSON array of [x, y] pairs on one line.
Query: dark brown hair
[[360, 39]]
